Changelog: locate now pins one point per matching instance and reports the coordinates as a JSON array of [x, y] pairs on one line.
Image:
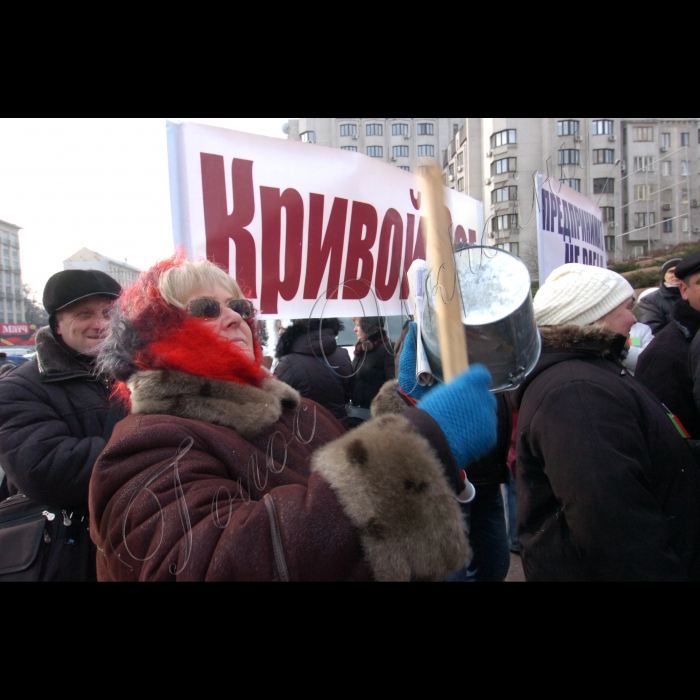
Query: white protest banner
[[569, 227], [294, 222]]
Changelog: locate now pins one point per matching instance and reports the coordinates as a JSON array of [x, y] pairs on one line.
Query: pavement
[[515, 573]]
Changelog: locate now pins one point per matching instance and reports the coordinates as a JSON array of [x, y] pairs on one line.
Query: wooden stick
[[451, 337]]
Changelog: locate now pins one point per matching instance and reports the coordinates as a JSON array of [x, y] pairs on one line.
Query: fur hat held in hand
[[579, 294]]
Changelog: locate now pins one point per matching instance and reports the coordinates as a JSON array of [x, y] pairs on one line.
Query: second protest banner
[[569, 227]]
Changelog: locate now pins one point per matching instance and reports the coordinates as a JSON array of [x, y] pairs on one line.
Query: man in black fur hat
[[55, 418], [664, 366]]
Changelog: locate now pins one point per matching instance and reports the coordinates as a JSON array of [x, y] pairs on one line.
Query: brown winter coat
[[212, 480]]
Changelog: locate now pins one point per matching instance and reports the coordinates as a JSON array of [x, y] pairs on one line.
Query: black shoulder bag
[[26, 529]]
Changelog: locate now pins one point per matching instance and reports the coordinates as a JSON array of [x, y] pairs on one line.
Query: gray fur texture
[[246, 409], [392, 486]]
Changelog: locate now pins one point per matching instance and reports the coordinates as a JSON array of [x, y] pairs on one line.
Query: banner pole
[[440, 254]]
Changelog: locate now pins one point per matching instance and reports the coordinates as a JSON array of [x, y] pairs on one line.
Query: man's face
[[670, 277], [81, 324], [690, 290]]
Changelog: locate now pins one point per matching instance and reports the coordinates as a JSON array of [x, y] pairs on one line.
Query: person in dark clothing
[[665, 365], [655, 308], [372, 364], [607, 488], [485, 513], [55, 417], [311, 362]]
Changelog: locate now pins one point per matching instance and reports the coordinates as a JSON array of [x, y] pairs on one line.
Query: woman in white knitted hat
[[607, 487]]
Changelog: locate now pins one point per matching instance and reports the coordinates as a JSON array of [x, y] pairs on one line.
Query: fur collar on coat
[[594, 337], [247, 409], [54, 361]]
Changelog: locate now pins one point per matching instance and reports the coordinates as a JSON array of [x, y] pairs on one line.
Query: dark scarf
[[374, 341], [686, 318]]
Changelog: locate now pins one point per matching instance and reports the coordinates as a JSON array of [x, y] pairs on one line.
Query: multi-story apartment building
[[11, 295], [643, 173], [396, 140], [86, 259]]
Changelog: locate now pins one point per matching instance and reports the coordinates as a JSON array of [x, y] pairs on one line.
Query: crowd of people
[[150, 440]]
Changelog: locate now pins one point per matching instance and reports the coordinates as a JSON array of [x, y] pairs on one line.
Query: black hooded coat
[[607, 487], [315, 366]]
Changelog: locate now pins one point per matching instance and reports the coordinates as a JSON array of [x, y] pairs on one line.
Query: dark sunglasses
[[211, 308]]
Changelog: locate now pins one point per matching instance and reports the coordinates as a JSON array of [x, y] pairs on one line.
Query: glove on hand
[[407, 366], [466, 412]]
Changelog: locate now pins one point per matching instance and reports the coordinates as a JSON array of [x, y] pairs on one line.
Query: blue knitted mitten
[[407, 366], [466, 412]]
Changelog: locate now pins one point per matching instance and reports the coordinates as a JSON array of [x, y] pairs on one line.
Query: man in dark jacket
[[311, 362], [664, 366], [55, 419], [607, 488], [655, 308]]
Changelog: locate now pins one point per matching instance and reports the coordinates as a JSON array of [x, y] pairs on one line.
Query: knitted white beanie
[[579, 294]]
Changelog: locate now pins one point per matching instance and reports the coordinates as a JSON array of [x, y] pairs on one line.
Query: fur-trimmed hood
[[572, 342], [247, 409]]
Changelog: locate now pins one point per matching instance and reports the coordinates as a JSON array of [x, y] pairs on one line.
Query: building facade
[[642, 173], [11, 293], [395, 140], [86, 259]]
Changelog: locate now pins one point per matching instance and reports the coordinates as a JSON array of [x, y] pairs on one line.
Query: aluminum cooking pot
[[497, 313]]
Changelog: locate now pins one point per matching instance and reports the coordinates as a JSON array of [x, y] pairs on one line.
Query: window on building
[[573, 182], [5, 237], [460, 159], [348, 129], [405, 167], [685, 139], [684, 224], [460, 184], [568, 127], [643, 218], [665, 140], [504, 194], [375, 151], [426, 129], [451, 170], [14, 240], [505, 222], [603, 185], [602, 126], [638, 251], [684, 196], [626, 223], [684, 167], [399, 129], [643, 164], [504, 165], [608, 214], [643, 192], [514, 248], [667, 168], [348, 148], [374, 130], [569, 156], [643, 133], [425, 150], [501, 138], [308, 137], [610, 244], [604, 155], [668, 226], [400, 151]]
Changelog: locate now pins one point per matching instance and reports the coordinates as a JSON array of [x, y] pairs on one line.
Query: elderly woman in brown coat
[[223, 473]]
